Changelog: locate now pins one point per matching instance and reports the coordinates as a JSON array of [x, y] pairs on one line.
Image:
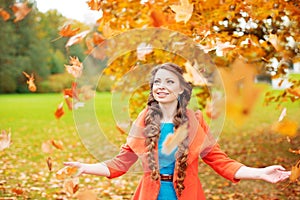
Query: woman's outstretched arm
[[99, 169], [272, 174]]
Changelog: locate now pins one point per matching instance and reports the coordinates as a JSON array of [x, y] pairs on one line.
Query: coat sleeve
[[121, 163], [216, 158]]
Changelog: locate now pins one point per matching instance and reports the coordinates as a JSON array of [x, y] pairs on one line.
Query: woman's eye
[[156, 81], [170, 82]]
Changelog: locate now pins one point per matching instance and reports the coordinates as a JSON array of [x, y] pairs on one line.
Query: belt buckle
[[166, 177]]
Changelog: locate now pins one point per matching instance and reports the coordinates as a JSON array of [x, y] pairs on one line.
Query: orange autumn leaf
[[66, 31], [87, 92], [57, 144], [71, 186], [294, 91], [183, 11], [66, 172], [173, 140], [294, 151], [286, 127], [59, 111], [75, 68], [49, 163], [97, 38], [4, 14], [71, 92], [20, 10], [158, 18], [30, 82], [76, 38], [295, 172], [18, 191], [94, 4], [5, 139]]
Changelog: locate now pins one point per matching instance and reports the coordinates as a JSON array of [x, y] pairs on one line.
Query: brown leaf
[[66, 172], [71, 186], [49, 163], [30, 82], [294, 151], [20, 10], [295, 172], [75, 68]]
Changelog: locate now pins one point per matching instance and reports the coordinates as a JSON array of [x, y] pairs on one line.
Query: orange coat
[[201, 144]]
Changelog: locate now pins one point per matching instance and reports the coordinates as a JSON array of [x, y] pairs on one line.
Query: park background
[[38, 131]]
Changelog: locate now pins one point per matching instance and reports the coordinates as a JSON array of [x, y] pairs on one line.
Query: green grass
[[31, 120]]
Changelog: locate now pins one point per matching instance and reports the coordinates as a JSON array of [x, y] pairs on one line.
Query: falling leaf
[[47, 147], [66, 31], [66, 172], [86, 194], [57, 144], [97, 38], [183, 11], [70, 186], [78, 105], [143, 49], [59, 111], [295, 172], [49, 163], [294, 91], [5, 140], [107, 31], [76, 38], [194, 76], [173, 140], [75, 68], [286, 127], [87, 92], [30, 82], [94, 4], [4, 14], [20, 10]]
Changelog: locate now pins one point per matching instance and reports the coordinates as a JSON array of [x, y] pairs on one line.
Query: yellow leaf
[[183, 11], [286, 127]]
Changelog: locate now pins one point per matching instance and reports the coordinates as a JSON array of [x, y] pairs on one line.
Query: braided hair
[[152, 129]]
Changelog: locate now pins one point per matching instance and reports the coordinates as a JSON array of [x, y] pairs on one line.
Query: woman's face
[[166, 87]]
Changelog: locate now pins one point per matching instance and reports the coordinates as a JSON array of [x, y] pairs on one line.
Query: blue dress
[[166, 163]]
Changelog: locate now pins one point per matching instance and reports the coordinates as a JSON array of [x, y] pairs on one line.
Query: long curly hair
[[153, 119]]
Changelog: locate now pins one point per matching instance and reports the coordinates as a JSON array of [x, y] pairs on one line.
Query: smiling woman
[[77, 10]]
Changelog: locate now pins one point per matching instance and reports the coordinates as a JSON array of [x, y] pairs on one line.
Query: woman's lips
[[162, 94]]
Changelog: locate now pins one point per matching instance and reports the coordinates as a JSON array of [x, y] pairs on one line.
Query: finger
[[279, 167]]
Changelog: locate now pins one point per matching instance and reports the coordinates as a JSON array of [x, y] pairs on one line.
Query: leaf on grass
[[183, 11], [66, 31], [4, 14], [5, 140], [30, 82], [71, 186], [18, 191], [86, 194], [20, 10], [295, 172], [94, 4], [49, 163], [75, 68], [66, 172], [173, 140], [59, 111]]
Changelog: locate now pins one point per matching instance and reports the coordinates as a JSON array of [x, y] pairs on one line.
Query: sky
[[74, 9]]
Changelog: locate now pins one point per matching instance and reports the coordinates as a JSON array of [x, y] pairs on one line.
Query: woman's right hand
[[79, 165]]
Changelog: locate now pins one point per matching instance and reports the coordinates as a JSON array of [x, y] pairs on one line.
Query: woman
[[173, 175]]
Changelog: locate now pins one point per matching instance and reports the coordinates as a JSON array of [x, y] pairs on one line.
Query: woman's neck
[[169, 111]]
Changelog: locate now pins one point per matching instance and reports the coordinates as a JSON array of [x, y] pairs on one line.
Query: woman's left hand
[[274, 174]]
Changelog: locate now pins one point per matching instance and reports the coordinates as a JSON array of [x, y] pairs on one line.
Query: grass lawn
[[24, 173]]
